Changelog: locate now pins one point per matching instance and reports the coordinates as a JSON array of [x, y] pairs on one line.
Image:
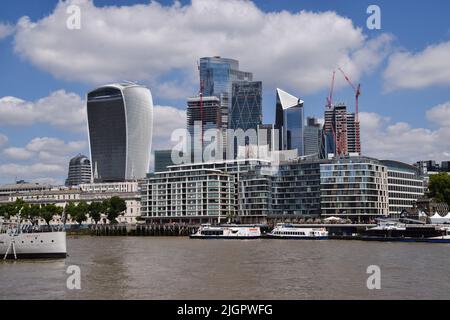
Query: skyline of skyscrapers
[[120, 124]]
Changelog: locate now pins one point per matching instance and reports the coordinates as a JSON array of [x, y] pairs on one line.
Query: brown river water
[[180, 268]]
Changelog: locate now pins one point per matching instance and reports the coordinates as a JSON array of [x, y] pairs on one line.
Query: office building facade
[[163, 159], [289, 121], [217, 75], [313, 137], [79, 171], [246, 106], [120, 122], [341, 131], [355, 188], [405, 186]]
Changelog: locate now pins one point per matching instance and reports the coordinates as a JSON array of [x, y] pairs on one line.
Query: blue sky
[[402, 112]]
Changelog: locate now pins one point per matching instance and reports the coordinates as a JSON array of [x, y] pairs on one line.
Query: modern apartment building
[[405, 186], [354, 188]]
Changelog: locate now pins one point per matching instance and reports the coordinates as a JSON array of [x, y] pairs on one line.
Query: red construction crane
[[357, 90]]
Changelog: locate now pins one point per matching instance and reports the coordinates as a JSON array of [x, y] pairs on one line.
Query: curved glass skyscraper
[[120, 121]]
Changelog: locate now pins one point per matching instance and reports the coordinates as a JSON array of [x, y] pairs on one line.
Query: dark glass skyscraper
[[246, 105], [289, 120], [120, 120]]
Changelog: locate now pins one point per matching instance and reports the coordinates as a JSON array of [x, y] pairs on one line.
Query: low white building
[[93, 192]]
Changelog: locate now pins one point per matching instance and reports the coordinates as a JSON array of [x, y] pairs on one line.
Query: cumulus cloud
[[42, 159], [427, 68], [5, 30], [381, 138], [166, 120], [148, 42], [30, 172], [60, 109], [440, 114], [50, 150]]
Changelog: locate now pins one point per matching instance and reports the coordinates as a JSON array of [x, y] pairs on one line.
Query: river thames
[[180, 268]]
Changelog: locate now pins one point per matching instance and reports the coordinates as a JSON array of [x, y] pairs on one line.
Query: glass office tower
[[120, 122], [217, 75], [246, 105], [289, 120]]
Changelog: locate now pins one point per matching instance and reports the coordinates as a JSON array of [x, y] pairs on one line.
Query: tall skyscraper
[[312, 137], [212, 112], [217, 75], [289, 120], [79, 171], [341, 131], [120, 120], [246, 105]]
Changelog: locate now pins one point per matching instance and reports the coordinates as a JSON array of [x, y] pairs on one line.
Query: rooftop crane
[[357, 90]]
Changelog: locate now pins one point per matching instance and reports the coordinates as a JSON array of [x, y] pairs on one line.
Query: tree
[[47, 212], [115, 206], [71, 210], [439, 187], [95, 211], [81, 211]]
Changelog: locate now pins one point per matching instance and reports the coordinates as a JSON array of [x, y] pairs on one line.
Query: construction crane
[[357, 91]]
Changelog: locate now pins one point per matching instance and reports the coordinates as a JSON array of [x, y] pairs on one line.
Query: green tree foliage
[[81, 211], [95, 211], [47, 212], [439, 187], [115, 206]]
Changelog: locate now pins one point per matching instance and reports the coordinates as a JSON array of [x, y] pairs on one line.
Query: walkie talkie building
[[120, 122]]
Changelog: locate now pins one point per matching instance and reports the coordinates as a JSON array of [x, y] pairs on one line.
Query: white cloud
[[429, 67], [60, 109], [400, 141], [440, 114], [149, 42], [42, 159], [166, 120], [49, 150], [3, 140], [30, 172], [6, 30]]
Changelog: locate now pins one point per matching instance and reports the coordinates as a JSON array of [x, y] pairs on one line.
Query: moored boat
[[207, 231], [21, 242], [397, 231], [289, 231]]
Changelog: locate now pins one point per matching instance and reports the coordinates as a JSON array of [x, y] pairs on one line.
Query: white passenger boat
[[289, 231], [25, 242], [207, 231]]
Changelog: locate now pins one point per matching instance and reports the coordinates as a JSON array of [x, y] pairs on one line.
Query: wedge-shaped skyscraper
[[289, 120], [120, 121]]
